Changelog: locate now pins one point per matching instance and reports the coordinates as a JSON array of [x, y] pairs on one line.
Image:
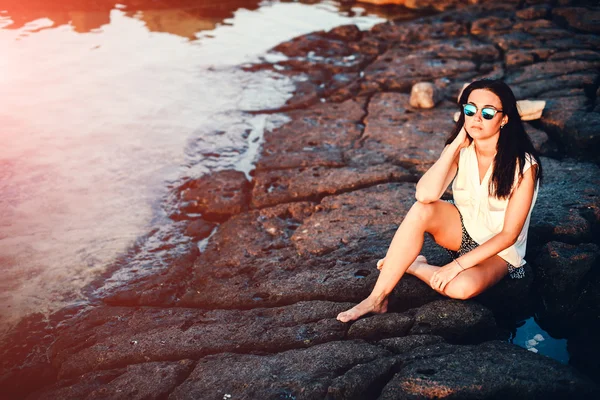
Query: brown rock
[[216, 196], [160, 282], [541, 141], [314, 44], [322, 127], [575, 129], [549, 69], [267, 270], [348, 33], [541, 28], [414, 32], [514, 40], [351, 216], [362, 381], [123, 336], [454, 320], [404, 135], [299, 374], [515, 58], [482, 372], [338, 247], [282, 186], [561, 271], [569, 190], [420, 4], [332, 158], [534, 12], [381, 326], [394, 70], [150, 380], [575, 54], [459, 48], [538, 88], [199, 229], [483, 26], [581, 18], [399, 345]]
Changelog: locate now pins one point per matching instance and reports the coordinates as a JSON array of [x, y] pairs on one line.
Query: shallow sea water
[[103, 109]]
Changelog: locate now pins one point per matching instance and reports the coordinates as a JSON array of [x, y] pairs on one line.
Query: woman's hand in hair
[[462, 139]]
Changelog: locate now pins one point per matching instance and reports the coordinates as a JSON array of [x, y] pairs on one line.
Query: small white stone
[[531, 343], [272, 231], [305, 231], [533, 349], [539, 338], [424, 95]]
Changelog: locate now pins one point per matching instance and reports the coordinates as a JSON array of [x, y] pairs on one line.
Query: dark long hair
[[513, 143]]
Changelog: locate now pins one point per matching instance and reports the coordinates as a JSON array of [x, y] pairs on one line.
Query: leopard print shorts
[[467, 244]]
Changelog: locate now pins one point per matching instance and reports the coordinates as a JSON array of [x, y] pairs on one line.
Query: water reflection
[[184, 18], [179, 17]]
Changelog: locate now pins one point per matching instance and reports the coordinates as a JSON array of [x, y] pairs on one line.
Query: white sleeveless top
[[483, 215]]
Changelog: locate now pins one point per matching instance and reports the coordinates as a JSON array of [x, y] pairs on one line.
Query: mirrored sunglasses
[[486, 112]]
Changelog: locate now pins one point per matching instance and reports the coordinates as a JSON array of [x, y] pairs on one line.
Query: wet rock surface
[[567, 204], [489, 370], [152, 380], [251, 312]]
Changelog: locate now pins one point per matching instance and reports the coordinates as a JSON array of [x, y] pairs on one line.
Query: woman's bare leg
[[422, 269], [439, 218], [477, 279], [466, 284]]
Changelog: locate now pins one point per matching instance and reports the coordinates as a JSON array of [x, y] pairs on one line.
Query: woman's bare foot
[[420, 260], [368, 305]]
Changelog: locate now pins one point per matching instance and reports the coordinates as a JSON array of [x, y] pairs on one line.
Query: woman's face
[[476, 125]]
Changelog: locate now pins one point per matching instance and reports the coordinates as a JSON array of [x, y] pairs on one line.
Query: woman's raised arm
[[434, 182]]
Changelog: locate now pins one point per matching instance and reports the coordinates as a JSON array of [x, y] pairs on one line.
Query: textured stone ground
[[253, 315]]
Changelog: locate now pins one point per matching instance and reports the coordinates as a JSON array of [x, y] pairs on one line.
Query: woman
[[496, 172]]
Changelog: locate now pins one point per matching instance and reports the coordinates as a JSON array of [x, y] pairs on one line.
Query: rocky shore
[[253, 315]]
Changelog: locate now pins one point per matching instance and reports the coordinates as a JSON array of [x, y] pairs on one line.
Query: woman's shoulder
[[530, 159], [467, 150]]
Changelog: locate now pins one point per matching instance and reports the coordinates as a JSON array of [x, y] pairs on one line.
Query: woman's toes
[[345, 316]]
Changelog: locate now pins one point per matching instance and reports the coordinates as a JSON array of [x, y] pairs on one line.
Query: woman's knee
[[462, 289], [422, 211]]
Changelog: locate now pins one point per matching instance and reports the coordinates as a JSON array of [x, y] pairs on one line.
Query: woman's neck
[[485, 148]]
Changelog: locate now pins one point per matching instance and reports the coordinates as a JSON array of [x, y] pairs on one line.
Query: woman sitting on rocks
[[496, 172]]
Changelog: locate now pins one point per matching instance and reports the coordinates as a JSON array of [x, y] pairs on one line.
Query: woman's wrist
[[459, 264]]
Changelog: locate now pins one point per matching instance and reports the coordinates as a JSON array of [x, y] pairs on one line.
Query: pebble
[[423, 95], [539, 338], [531, 343]]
